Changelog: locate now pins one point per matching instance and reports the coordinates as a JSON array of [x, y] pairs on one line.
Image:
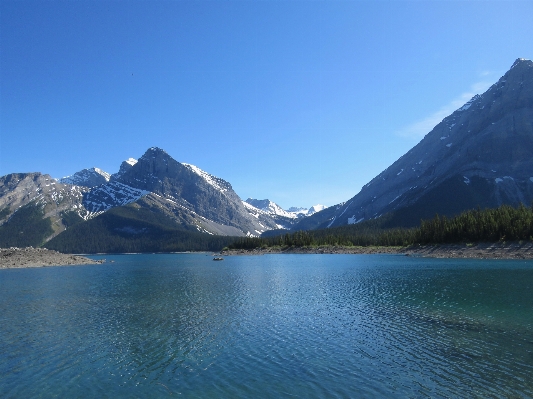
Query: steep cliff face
[[124, 167], [480, 155]]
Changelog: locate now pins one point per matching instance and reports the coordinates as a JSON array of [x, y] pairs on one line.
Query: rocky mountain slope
[[124, 167], [480, 155], [188, 198], [183, 192], [35, 207]]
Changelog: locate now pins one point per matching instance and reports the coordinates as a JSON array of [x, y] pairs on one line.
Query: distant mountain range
[[479, 156], [285, 219], [184, 196]]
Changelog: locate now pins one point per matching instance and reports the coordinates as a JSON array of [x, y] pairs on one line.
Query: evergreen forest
[[505, 223], [127, 229]]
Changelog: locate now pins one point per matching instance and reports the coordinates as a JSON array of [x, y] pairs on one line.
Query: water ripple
[[289, 326]]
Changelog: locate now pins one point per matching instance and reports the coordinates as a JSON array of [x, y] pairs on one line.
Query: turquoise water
[[309, 326]]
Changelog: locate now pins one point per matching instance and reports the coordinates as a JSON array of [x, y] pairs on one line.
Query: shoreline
[[512, 250], [12, 258], [16, 258]]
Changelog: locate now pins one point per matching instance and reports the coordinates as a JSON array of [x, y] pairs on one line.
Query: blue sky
[[301, 102]]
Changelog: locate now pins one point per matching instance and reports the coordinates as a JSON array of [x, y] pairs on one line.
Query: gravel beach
[[39, 257], [514, 250]]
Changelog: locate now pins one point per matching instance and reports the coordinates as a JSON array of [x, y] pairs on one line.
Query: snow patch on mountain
[[105, 175], [87, 178], [111, 195], [255, 212], [499, 180], [219, 184], [354, 220], [315, 209]]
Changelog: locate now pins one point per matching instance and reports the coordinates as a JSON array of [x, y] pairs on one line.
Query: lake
[[309, 326]]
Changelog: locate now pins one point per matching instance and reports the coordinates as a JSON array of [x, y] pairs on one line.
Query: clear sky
[[301, 102]]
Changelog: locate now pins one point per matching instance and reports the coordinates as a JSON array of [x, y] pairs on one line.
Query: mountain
[[270, 207], [35, 208], [297, 209], [285, 219], [136, 227], [183, 192], [87, 178], [274, 209], [480, 155], [314, 209], [180, 197], [282, 218], [124, 167]]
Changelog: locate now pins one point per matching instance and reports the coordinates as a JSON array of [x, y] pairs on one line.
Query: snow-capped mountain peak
[[315, 209], [298, 210], [87, 178], [270, 208], [285, 219], [124, 167]]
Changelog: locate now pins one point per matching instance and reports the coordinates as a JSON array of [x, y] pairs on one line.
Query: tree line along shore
[[500, 225], [502, 233]]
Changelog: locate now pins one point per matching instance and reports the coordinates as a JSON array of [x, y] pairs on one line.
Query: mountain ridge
[[186, 195], [91, 177], [481, 155], [488, 140]]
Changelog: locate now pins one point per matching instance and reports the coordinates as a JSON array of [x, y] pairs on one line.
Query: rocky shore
[[315, 250], [514, 250], [39, 257]]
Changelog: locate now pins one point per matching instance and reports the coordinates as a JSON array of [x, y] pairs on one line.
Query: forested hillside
[[26, 227], [489, 225], [134, 229]]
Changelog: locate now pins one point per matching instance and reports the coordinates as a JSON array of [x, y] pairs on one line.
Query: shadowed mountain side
[[134, 228], [480, 155]]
